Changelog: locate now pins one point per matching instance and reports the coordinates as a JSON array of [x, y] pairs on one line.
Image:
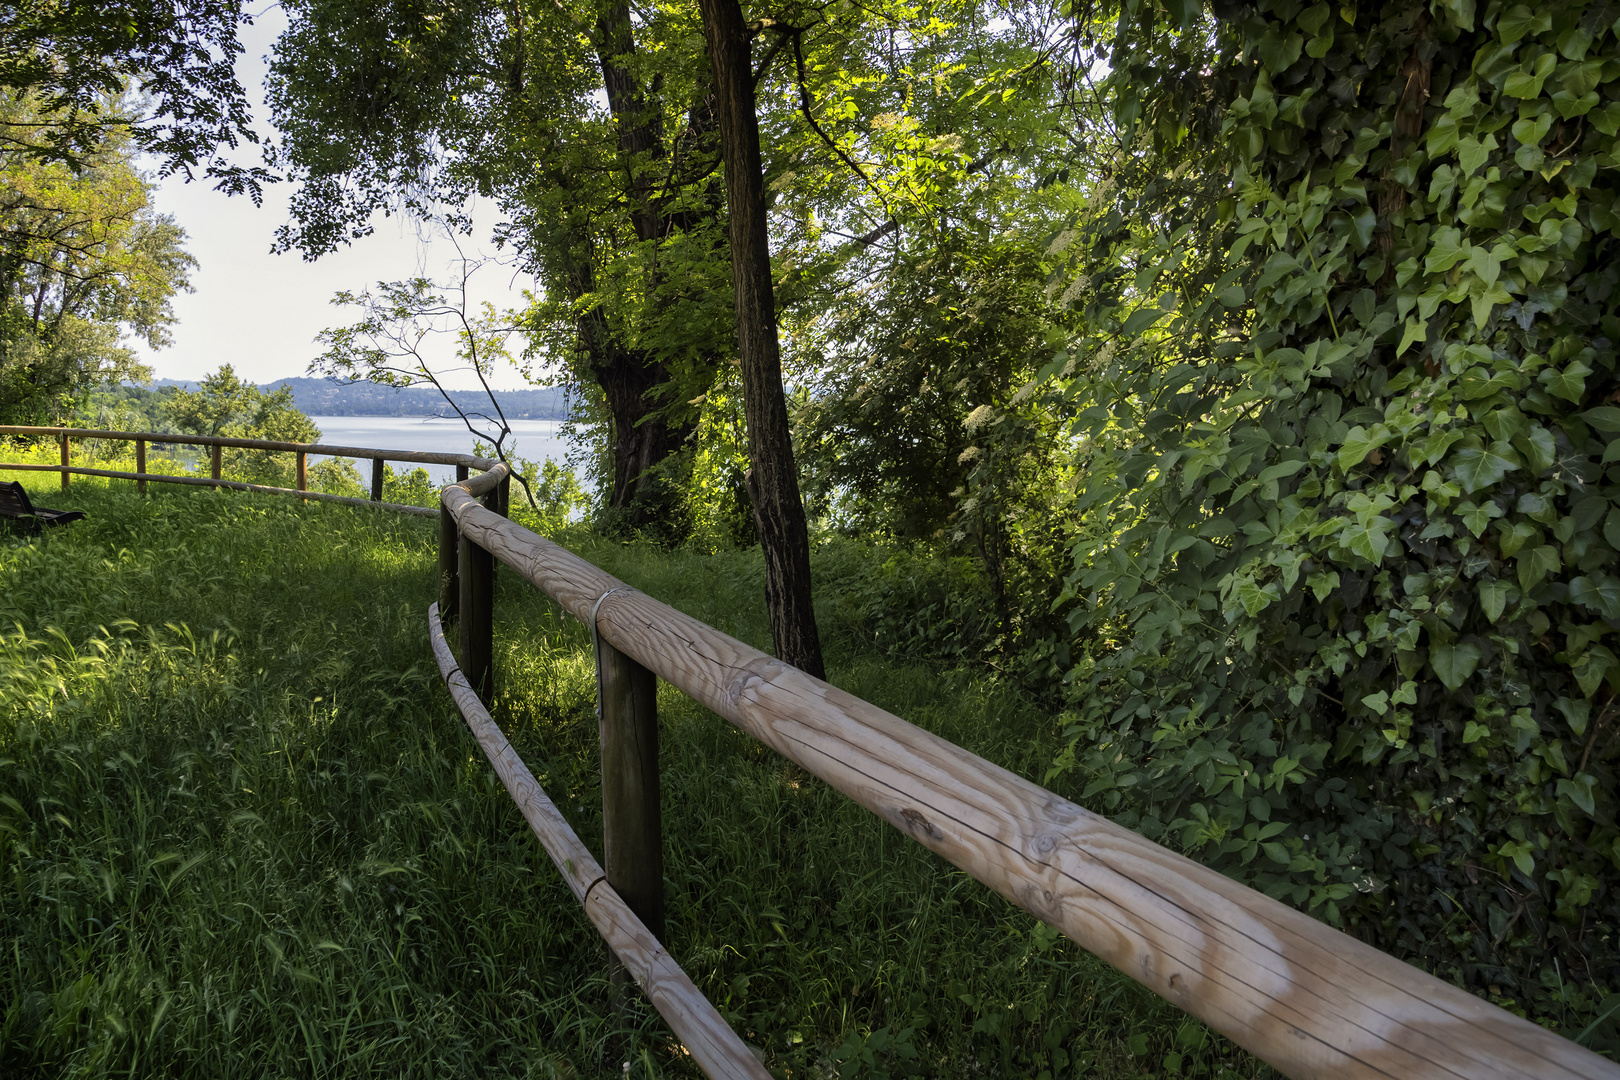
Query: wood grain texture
[[475, 617], [140, 465], [449, 567], [632, 821], [1313, 1002], [423, 457], [63, 439], [711, 1042]]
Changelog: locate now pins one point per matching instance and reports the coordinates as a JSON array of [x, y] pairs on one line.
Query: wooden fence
[[1312, 1001], [64, 436], [1308, 999]]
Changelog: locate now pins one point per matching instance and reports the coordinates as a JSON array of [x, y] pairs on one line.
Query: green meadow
[[243, 831]]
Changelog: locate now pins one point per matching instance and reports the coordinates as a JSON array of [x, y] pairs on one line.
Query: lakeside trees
[[84, 260], [1260, 361], [395, 109]]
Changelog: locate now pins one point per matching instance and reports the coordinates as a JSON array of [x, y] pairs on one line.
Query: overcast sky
[[261, 312]]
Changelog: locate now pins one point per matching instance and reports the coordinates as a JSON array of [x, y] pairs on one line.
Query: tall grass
[[243, 832]]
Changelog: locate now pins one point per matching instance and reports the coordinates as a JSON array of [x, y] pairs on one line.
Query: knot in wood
[[917, 823]]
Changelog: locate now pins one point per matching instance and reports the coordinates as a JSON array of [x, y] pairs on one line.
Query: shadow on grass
[[243, 831]]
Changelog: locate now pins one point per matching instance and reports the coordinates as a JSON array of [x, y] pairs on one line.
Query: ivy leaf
[[1535, 564], [1370, 541], [1538, 447], [1255, 597], [1477, 518], [1611, 529], [1519, 852], [1322, 584], [1358, 443], [1519, 20], [1416, 330], [1516, 534], [1454, 663], [1581, 792], [1278, 471], [1461, 13], [1435, 446], [1363, 223], [1607, 118], [1183, 12], [1526, 82], [1600, 592], [1605, 418], [1484, 301], [1446, 249], [1472, 153], [1378, 703], [1591, 669], [1477, 468], [1569, 383], [1279, 51], [1493, 597]]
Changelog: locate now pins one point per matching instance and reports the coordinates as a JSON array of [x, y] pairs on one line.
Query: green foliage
[[84, 260], [885, 428], [225, 405], [240, 825], [123, 407], [558, 499], [916, 284], [78, 60], [1345, 591], [617, 211]]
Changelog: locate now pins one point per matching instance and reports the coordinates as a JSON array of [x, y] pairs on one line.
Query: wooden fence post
[[376, 479], [64, 440], [217, 456], [461, 473], [505, 490], [140, 465], [632, 829], [476, 617], [303, 473], [449, 568]]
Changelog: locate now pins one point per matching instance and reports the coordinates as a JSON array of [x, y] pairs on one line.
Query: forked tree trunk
[[773, 480]]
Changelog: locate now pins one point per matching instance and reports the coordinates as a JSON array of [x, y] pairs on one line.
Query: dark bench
[[23, 516]]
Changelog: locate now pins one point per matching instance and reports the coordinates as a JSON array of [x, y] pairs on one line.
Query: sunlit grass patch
[[242, 831]]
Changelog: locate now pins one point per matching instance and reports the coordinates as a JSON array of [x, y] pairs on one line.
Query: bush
[[1346, 595]]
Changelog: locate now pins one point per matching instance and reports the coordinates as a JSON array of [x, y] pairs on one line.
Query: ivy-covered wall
[[1346, 603]]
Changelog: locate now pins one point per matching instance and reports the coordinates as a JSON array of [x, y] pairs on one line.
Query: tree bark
[[773, 480]]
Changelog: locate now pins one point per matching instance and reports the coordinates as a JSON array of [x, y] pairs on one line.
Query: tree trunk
[[773, 480], [641, 439]]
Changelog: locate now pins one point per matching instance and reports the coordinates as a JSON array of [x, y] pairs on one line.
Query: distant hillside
[[319, 397]]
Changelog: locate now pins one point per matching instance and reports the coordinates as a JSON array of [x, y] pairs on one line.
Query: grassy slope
[[243, 832]]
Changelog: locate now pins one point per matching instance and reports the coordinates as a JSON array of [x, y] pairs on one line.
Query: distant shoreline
[[322, 397]]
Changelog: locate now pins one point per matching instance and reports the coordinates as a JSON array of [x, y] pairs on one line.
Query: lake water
[[532, 440]]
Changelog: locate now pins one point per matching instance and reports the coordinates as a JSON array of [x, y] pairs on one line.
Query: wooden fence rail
[[216, 443], [706, 1036], [1312, 1001]]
